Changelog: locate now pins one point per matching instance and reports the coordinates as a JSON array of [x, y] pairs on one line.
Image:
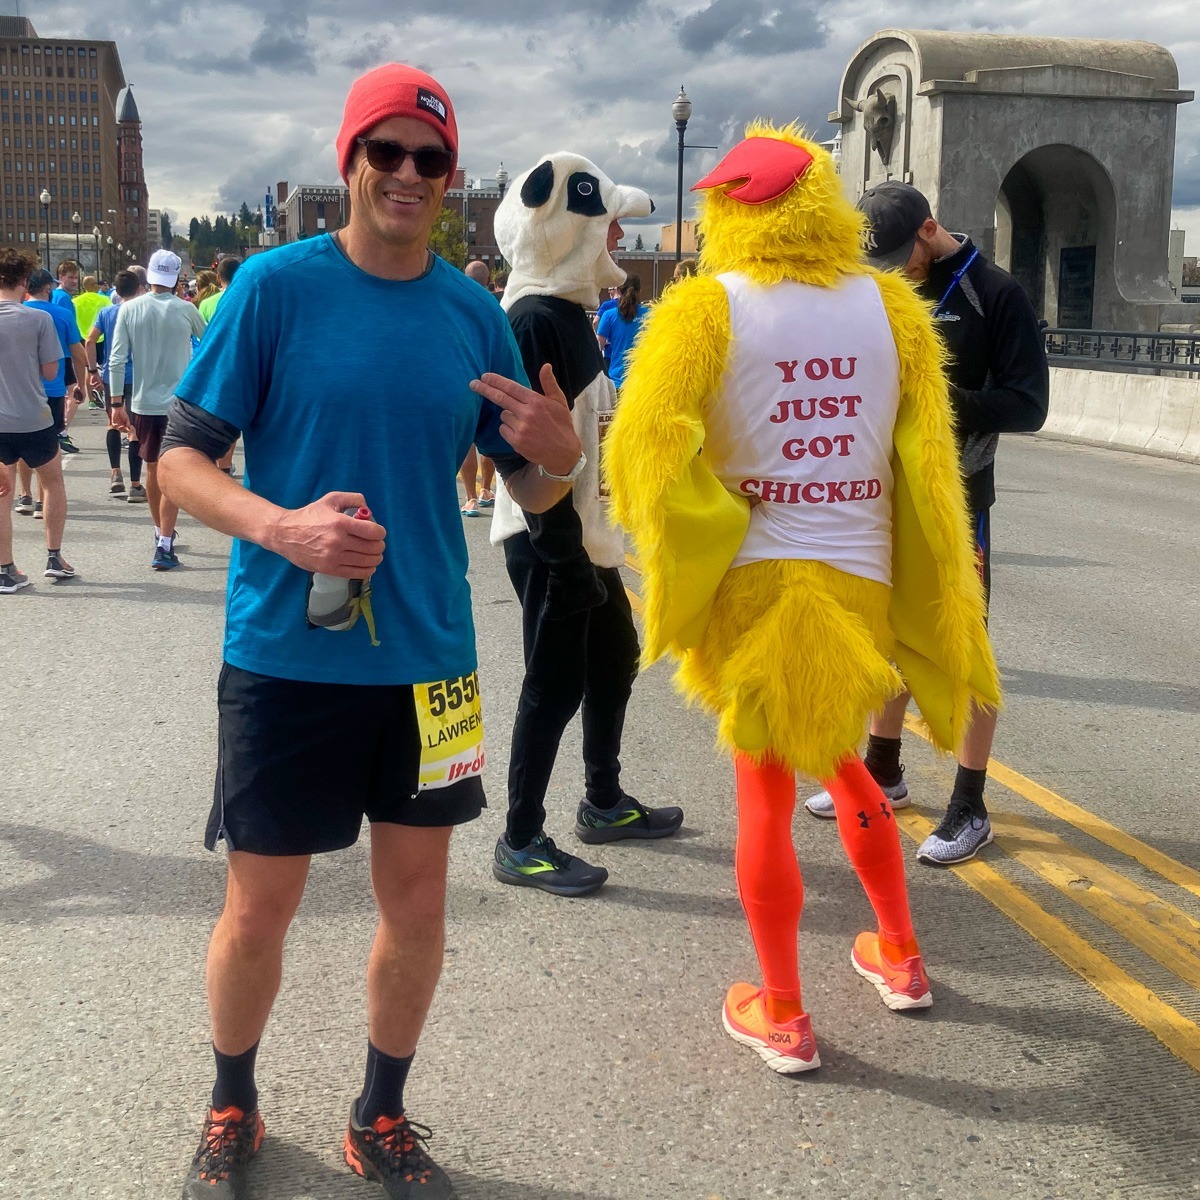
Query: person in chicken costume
[[784, 459]]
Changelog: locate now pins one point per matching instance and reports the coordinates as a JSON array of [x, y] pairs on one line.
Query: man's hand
[[120, 417], [320, 537], [538, 427]]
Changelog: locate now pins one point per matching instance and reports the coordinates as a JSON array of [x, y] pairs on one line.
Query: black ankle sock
[[8, 568], [112, 441], [968, 790], [135, 463], [383, 1089], [235, 1080], [882, 759]]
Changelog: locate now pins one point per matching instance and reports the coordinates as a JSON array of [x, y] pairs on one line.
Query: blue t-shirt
[[106, 322], [620, 335], [68, 336], [341, 381], [62, 298]]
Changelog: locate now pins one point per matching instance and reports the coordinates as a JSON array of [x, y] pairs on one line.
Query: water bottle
[[330, 597]]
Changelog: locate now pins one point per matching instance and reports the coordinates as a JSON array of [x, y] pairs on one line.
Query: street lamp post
[[501, 183], [681, 110], [75, 219], [109, 243], [96, 237], [45, 198]]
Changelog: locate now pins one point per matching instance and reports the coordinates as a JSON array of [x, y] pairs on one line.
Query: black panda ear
[[536, 189]]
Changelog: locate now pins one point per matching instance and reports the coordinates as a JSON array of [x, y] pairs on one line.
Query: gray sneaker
[[959, 837], [821, 805], [12, 581]]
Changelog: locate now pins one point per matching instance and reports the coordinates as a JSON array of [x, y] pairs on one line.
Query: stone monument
[[1056, 155]]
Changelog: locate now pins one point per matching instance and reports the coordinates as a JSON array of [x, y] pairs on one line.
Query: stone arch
[[1056, 217]]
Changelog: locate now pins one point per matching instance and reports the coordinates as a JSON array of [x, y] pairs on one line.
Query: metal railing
[[1116, 349]]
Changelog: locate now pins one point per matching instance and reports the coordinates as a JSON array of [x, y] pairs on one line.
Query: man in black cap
[[999, 384]]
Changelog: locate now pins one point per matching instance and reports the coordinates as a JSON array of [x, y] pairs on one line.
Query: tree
[[448, 238], [639, 244], [245, 217], [164, 228], [193, 229]]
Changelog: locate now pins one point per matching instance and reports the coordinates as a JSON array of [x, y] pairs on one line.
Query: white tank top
[[804, 421]]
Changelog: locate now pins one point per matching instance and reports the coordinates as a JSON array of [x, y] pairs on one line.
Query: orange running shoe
[[229, 1140], [901, 987], [788, 1049]]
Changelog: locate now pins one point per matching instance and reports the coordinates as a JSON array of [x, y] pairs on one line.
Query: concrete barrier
[[1154, 414]]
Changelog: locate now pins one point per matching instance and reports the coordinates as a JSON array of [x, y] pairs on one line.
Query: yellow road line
[[635, 601], [1175, 1031], [1164, 932], [633, 564], [1086, 822]]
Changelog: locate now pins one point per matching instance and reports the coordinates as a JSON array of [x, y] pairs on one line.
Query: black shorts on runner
[[300, 764], [36, 449], [58, 412]]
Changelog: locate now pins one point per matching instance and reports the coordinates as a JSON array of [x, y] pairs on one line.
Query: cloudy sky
[[237, 94]]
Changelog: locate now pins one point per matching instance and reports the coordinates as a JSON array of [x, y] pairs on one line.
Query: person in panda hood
[[557, 228]]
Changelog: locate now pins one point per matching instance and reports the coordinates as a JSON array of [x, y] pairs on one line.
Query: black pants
[[590, 658]]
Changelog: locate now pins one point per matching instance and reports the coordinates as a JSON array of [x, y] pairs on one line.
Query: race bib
[[604, 421], [450, 719]]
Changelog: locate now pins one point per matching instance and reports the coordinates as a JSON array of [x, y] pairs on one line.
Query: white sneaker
[[959, 837], [821, 805]]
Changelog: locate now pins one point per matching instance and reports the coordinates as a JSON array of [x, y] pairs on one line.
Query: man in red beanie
[[325, 721]]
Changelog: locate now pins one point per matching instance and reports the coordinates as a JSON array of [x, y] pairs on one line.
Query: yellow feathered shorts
[[793, 660]]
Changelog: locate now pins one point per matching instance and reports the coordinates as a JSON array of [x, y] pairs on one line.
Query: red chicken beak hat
[[768, 168]]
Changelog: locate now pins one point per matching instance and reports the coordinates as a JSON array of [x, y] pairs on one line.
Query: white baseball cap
[[163, 268]]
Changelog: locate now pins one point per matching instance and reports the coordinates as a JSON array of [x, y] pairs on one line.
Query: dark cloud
[[754, 27], [288, 53]]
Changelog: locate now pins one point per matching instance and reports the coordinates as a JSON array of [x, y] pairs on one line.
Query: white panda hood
[[552, 229]]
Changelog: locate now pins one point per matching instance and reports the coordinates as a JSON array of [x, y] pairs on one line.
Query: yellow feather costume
[[793, 655]]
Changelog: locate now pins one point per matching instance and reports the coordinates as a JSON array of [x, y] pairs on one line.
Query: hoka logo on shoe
[[782, 1039]]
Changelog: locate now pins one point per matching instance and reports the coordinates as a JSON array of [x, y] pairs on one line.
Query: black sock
[[112, 441], [968, 790], [383, 1090], [135, 463], [50, 553], [882, 759], [235, 1080], [8, 568]]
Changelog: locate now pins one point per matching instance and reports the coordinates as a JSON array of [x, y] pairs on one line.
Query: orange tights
[[768, 873]]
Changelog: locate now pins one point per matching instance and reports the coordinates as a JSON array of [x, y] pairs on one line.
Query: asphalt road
[[575, 1049]]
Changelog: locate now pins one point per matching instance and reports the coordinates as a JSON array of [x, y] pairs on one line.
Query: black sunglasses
[[430, 162]]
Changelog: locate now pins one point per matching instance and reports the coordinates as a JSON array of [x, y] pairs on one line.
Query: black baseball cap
[[894, 211], [39, 279]]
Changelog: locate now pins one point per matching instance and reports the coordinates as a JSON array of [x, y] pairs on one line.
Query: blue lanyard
[[941, 304]]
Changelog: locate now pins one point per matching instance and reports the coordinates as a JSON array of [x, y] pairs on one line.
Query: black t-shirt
[[555, 331]]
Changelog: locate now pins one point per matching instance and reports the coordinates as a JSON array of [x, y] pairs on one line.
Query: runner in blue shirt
[[319, 725]]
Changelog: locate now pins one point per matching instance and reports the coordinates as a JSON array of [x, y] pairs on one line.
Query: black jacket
[[999, 379]]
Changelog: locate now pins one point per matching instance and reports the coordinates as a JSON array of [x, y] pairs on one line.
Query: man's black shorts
[[36, 449], [300, 764]]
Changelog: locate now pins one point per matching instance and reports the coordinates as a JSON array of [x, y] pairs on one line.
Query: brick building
[[307, 209], [59, 134]]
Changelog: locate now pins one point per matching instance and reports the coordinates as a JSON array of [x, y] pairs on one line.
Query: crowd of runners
[[351, 518]]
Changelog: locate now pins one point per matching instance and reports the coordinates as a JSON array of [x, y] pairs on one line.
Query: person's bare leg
[[8, 480], [408, 873], [164, 511], [487, 470], [24, 478], [54, 502], [890, 722], [469, 474], [245, 955], [977, 745]]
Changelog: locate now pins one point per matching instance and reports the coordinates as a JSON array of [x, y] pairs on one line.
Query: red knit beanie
[[395, 90]]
